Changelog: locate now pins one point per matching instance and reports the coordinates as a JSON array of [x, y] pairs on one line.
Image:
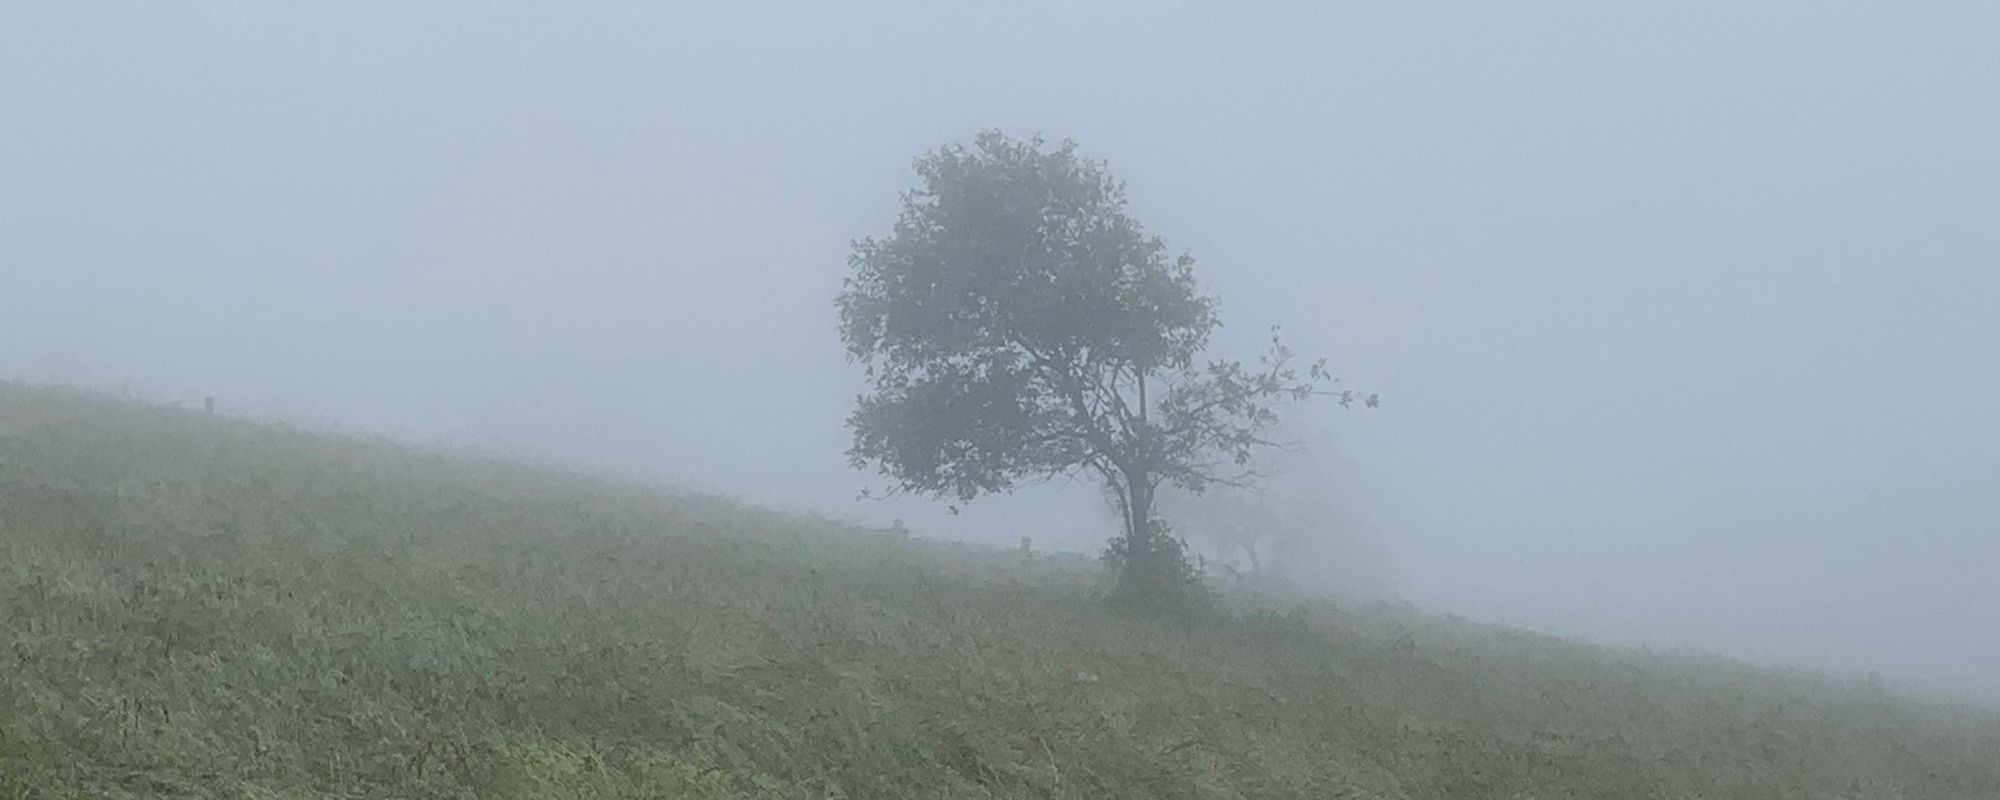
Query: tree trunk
[[1140, 533], [1147, 576]]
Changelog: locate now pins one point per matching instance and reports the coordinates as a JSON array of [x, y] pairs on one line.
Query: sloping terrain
[[192, 606]]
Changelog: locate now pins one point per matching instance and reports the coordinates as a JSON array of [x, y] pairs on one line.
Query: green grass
[[199, 607]]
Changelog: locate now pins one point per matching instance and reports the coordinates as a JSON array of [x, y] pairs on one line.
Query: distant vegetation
[[1303, 523], [1018, 326], [192, 606]]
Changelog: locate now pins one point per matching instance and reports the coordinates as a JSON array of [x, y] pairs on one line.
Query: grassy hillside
[[198, 607]]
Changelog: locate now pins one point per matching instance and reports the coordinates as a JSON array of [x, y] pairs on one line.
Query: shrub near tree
[[1017, 326]]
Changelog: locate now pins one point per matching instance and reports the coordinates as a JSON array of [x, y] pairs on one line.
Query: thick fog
[[1686, 321]]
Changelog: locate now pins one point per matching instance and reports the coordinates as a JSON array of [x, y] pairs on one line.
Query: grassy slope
[[199, 607]]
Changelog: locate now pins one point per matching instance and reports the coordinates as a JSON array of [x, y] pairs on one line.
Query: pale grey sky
[[1684, 315]]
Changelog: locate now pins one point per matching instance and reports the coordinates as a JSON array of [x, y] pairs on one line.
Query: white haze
[[1684, 316]]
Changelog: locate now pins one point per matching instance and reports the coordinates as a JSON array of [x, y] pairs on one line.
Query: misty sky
[[1686, 320]]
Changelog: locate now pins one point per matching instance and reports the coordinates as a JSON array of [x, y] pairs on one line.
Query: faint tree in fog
[[1232, 521], [1018, 326]]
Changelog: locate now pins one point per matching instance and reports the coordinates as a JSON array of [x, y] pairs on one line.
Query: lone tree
[[1017, 326]]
